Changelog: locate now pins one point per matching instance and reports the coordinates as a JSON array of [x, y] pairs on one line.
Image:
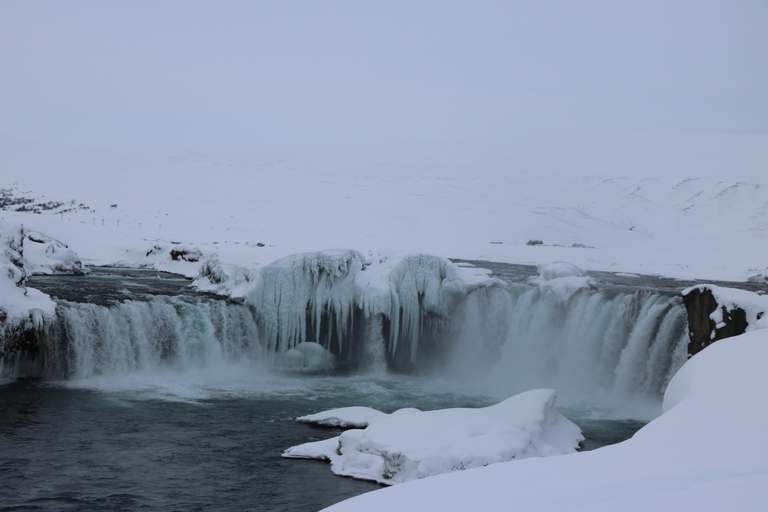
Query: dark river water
[[167, 442]]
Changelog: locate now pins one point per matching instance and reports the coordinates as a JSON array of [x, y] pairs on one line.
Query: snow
[[707, 451], [411, 445], [350, 417], [345, 417], [18, 302]]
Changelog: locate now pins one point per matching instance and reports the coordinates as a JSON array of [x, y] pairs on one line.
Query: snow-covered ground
[[708, 451], [690, 205]]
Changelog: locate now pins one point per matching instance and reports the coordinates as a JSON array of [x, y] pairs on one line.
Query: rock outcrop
[[715, 313]]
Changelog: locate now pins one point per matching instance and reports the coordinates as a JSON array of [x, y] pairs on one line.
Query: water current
[[197, 419]]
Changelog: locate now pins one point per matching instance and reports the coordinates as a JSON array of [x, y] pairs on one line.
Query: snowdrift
[[411, 445]]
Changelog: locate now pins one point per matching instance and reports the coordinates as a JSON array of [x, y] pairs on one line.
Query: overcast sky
[[184, 74]]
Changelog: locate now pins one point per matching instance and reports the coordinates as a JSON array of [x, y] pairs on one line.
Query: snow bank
[[403, 447], [708, 451]]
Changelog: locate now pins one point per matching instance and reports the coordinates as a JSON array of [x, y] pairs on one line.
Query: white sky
[[185, 74]]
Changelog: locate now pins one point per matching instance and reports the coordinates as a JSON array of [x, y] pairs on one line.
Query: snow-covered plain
[[687, 205], [708, 451]]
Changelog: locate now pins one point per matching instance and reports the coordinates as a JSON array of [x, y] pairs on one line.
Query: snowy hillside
[[678, 204]]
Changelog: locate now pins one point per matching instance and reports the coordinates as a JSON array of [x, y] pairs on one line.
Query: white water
[[604, 343], [89, 340]]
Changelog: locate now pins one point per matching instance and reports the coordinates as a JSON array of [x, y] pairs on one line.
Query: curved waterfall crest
[[559, 328]]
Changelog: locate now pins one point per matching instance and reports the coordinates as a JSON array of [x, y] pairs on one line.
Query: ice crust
[[411, 445]]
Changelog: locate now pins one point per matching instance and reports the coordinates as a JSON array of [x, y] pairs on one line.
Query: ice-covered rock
[[560, 280], [415, 445]]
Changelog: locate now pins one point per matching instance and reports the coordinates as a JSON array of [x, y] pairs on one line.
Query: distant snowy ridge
[[411, 445]]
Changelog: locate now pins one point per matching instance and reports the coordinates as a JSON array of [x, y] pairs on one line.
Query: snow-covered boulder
[[559, 280], [306, 356], [415, 445], [715, 312]]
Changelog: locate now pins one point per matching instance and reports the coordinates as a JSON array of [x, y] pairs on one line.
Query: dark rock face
[[702, 330]]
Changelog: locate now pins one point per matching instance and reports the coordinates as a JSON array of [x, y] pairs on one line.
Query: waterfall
[[572, 335], [591, 341], [87, 340]]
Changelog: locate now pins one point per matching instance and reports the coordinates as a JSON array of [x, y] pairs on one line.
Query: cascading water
[[179, 333], [590, 341], [521, 336]]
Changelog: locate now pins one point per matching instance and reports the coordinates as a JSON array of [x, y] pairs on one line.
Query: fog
[[186, 74]]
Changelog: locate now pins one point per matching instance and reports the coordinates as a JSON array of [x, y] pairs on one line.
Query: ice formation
[[293, 294], [415, 445], [318, 296]]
